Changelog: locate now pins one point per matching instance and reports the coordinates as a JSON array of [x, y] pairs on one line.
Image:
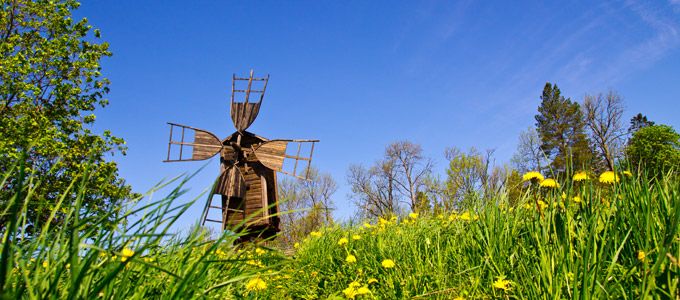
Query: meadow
[[580, 237]]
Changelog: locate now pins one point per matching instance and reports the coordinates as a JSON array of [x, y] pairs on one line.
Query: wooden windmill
[[248, 163]]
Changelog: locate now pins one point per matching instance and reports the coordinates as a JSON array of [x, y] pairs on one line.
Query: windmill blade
[[272, 154], [202, 145], [244, 110]]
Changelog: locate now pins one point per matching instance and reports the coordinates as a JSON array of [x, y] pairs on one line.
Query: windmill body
[[248, 164]]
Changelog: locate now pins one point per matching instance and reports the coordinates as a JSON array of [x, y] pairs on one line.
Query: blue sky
[[360, 74]]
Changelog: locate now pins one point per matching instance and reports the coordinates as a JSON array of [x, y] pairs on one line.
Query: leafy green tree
[[656, 148], [50, 84], [561, 126]]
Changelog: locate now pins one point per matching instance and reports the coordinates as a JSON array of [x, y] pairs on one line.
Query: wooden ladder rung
[[212, 206], [211, 220]]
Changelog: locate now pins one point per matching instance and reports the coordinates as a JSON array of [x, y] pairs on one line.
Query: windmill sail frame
[[204, 146]]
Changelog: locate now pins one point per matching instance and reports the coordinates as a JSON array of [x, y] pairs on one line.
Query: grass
[[619, 241]]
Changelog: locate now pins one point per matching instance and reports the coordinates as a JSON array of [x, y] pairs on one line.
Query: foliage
[[656, 148], [470, 175], [50, 83], [306, 206], [561, 126], [638, 121]]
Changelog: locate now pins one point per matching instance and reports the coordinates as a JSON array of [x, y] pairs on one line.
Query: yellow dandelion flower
[[315, 234], [125, 254], [627, 174], [354, 284], [356, 237], [259, 251], [351, 259], [465, 216], [459, 298], [576, 199], [367, 225], [45, 264], [564, 196], [580, 176], [542, 204], [533, 175], [413, 215], [343, 241], [363, 290], [372, 280], [388, 263], [296, 245], [549, 183], [256, 284], [641, 255], [502, 284], [350, 292], [609, 177]]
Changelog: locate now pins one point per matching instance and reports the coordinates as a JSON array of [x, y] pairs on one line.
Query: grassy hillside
[[580, 240]]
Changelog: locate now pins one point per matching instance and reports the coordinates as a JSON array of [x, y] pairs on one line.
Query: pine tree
[[561, 126]]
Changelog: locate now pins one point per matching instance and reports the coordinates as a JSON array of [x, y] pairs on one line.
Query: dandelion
[[627, 174], [533, 175], [296, 245], [367, 225], [372, 280], [256, 284], [502, 284], [581, 176], [413, 215], [542, 205], [459, 298], [45, 264], [576, 199], [465, 216], [609, 177], [549, 183], [125, 254], [356, 237], [315, 234], [259, 251], [388, 263], [343, 241], [363, 290], [641, 255], [351, 259], [564, 196]]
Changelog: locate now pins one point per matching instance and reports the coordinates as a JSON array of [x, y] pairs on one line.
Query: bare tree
[[411, 169], [529, 156], [603, 118], [305, 205], [373, 189]]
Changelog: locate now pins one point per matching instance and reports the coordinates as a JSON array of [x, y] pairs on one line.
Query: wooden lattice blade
[[185, 139], [244, 114], [272, 154]]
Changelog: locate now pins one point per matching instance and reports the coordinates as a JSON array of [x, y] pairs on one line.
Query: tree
[[560, 124], [373, 189], [470, 175], [603, 118], [638, 121], [529, 156], [655, 148], [305, 205], [411, 169], [50, 83]]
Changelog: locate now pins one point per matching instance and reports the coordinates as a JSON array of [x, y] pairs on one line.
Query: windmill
[[248, 163]]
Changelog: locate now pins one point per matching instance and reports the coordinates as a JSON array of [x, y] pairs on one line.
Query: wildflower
[[609, 177], [220, 253], [641, 255], [367, 225], [354, 284], [413, 215], [502, 283], [125, 254], [549, 183], [627, 174], [580, 176], [45, 264], [542, 205], [465, 216], [363, 290], [388, 263], [314, 273], [576, 199], [356, 237], [315, 234], [351, 258], [256, 284], [372, 280], [343, 241], [533, 175], [259, 251], [296, 245], [459, 298]]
